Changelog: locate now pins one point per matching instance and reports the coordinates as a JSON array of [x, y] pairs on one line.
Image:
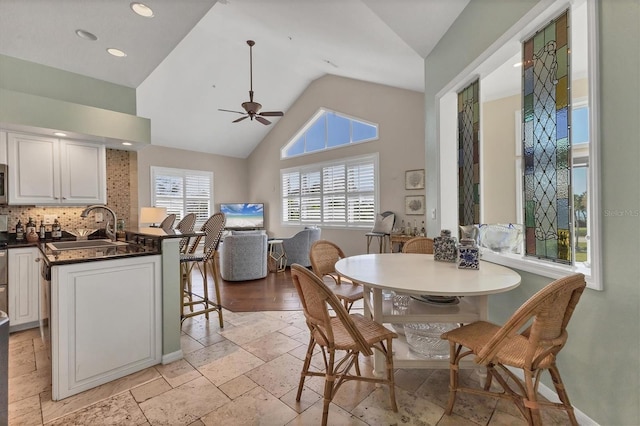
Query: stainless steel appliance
[[4, 189], [4, 279], [4, 368]]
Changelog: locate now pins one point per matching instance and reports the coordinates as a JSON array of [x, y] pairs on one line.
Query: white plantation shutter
[[340, 193], [183, 192]]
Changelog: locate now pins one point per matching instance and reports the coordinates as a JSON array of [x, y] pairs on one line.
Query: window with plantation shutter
[[183, 192], [340, 193]]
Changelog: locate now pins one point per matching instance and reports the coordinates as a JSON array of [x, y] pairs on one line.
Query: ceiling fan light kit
[[252, 109]]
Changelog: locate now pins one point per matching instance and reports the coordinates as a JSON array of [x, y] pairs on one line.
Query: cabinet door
[[34, 175], [24, 279], [83, 173]]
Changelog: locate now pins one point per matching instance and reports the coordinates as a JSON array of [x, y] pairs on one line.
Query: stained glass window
[[546, 142], [469, 154]]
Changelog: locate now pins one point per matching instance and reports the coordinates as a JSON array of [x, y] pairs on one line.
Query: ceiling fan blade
[[228, 110], [272, 113], [262, 120], [240, 119]]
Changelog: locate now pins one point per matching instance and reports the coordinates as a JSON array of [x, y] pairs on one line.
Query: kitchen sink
[[84, 244]]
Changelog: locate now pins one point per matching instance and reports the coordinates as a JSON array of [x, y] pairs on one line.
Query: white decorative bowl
[[501, 237], [424, 338]]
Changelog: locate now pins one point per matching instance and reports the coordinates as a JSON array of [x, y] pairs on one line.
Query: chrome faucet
[[111, 234]]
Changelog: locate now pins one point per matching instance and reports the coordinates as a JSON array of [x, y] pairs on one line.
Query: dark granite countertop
[[62, 257]]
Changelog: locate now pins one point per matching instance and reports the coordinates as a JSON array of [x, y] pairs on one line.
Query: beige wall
[[498, 182], [400, 116], [230, 176]]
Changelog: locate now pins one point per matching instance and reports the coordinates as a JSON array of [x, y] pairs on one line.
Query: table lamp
[[152, 215]]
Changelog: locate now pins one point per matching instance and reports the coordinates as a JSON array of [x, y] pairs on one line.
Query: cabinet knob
[[38, 260]]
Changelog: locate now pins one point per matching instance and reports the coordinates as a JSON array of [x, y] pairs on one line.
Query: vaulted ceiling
[[191, 58]]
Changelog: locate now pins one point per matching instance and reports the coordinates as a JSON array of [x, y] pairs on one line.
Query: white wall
[[400, 116]]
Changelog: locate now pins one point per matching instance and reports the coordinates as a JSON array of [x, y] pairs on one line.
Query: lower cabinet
[[24, 284], [106, 321]]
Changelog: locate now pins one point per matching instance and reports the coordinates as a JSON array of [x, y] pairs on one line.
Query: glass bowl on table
[[424, 339]]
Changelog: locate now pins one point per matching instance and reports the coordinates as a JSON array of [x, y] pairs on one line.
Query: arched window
[[327, 130]]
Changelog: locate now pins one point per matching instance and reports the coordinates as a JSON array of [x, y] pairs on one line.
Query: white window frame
[[446, 108], [373, 158], [156, 171]]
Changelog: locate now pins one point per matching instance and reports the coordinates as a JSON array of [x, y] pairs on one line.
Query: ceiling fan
[[252, 109]]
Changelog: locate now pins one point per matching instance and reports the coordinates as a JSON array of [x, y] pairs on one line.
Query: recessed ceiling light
[[60, 134], [517, 64], [86, 35], [127, 143], [142, 9], [116, 52]]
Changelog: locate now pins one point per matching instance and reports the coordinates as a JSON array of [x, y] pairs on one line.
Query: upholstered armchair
[[297, 247], [243, 256]]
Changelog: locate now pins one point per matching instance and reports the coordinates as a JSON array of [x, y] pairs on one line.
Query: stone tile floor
[[244, 374]]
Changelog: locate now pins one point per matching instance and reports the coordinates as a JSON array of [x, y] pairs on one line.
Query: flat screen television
[[243, 215]]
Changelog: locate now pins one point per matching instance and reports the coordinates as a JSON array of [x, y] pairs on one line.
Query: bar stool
[[206, 261]]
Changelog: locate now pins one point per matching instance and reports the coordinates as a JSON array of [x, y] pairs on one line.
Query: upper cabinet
[[50, 171]]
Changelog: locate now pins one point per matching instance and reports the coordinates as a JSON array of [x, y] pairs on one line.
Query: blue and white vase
[[444, 247], [468, 254]]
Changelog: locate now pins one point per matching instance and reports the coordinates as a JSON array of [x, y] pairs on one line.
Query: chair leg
[[216, 284], [205, 290], [329, 381], [391, 375], [453, 377], [530, 399], [305, 366], [562, 393]]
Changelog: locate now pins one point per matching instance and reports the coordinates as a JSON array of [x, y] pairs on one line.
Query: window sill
[[538, 267]]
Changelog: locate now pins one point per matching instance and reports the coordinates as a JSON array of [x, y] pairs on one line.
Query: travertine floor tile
[[149, 390], [211, 353], [178, 372], [55, 409], [247, 332], [26, 412], [307, 399], [30, 384], [184, 404], [238, 386], [188, 344], [231, 366], [254, 407], [337, 417], [117, 410], [271, 346], [278, 376]]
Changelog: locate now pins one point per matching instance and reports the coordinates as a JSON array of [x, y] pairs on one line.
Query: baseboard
[[551, 395], [173, 356]]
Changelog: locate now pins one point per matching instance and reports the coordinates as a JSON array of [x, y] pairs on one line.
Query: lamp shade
[[152, 215]]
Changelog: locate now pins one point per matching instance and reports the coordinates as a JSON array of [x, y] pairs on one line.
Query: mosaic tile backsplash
[[119, 188]]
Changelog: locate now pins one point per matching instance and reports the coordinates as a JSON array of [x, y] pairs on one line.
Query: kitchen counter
[[61, 257]]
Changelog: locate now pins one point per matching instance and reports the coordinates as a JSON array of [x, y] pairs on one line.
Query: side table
[[277, 256]]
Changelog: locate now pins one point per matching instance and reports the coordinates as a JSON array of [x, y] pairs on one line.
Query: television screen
[[243, 215]]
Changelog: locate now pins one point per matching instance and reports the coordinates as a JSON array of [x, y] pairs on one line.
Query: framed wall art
[[414, 204], [414, 179]]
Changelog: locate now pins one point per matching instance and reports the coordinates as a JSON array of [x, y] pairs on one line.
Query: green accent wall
[[40, 80], [37, 97], [600, 365]]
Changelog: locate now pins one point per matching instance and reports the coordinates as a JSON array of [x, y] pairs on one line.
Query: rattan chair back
[[186, 225], [167, 222], [212, 229], [422, 245], [324, 255], [316, 300]]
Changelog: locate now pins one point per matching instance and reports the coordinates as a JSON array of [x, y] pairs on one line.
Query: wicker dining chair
[[167, 222], [324, 255], [533, 350], [344, 336], [422, 245], [186, 225], [207, 259]]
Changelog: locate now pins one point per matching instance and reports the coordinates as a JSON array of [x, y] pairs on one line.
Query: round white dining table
[[420, 274]]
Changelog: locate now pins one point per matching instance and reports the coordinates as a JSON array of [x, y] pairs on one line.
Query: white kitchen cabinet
[[50, 171], [24, 283], [106, 321]]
